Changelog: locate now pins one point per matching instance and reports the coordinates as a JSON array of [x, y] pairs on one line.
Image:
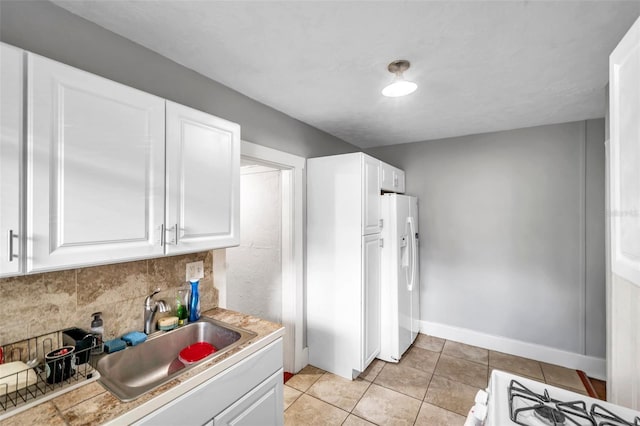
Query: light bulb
[[399, 87]]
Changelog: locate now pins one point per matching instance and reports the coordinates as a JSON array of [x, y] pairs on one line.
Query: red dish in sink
[[196, 352]]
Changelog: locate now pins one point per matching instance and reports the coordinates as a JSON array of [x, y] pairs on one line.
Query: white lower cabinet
[[249, 393], [262, 406], [371, 292]]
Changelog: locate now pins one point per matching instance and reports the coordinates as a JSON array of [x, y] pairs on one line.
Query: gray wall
[[254, 268], [595, 239], [45, 29], [512, 232]]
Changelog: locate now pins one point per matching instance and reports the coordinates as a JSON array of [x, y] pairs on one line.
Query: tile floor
[[434, 384]]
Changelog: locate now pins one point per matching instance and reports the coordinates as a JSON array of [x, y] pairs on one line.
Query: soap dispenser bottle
[[97, 330], [194, 302]]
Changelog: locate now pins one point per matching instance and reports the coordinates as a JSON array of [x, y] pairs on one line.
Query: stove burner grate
[[549, 415], [523, 402]]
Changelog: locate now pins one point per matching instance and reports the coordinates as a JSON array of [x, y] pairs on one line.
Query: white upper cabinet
[[203, 178], [11, 143], [371, 195], [392, 178], [95, 169]]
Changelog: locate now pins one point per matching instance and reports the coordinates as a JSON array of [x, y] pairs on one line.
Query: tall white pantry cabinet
[[343, 262]]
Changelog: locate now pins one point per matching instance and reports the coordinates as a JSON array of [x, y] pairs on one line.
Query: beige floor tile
[[430, 343], [420, 358], [372, 370], [463, 371], [338, 391], [305, 378], [515, 364], [430, 415], [453, 396], [407, 380], [386, 407], [290, 395], [308, 410], [561, 376], [468, 352], [356, 421]]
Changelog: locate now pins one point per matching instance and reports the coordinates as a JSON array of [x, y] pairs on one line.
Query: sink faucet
[[150, 309]]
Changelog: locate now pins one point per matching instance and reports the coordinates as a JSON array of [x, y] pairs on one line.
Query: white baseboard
[[594, 367]]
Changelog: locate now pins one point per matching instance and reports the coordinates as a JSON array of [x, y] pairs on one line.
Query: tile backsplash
[[33, 305]]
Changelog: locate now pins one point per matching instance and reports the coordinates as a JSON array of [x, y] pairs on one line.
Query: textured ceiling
[[481, 66]]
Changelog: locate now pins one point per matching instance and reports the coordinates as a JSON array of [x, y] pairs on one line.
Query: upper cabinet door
[[392, 178], [95, 167], [370, 195], [203, 181], [11, 140], [398, 180]]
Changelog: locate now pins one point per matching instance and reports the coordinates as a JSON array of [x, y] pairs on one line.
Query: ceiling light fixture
[[399, 86]]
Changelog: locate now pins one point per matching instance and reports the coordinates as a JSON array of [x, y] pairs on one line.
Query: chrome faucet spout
[[151, 307]]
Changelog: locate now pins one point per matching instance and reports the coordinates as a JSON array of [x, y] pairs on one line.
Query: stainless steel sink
[[137, 370]]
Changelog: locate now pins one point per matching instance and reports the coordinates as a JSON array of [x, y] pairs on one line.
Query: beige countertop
[[92, 404]]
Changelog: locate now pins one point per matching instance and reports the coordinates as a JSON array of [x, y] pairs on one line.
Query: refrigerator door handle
[[411, 282]]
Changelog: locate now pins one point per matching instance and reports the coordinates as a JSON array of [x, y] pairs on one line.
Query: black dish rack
[[44, 379]]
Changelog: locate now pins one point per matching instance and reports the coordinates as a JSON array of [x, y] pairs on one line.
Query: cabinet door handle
[[381, 242], [162, 235], [10, 237]]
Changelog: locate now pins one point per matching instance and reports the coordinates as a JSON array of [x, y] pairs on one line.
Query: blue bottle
[[194, 302]]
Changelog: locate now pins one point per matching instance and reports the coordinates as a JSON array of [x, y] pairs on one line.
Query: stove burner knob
[[478, 412], [482, 397]]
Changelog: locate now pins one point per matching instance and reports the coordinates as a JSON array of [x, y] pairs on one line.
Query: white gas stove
[[514, 400]]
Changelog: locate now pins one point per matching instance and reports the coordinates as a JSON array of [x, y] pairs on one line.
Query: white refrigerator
[[400, 310]]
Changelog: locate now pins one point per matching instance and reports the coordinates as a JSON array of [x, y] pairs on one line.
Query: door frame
[[292, 169]]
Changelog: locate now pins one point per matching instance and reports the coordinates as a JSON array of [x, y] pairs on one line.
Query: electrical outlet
[[195, 270]]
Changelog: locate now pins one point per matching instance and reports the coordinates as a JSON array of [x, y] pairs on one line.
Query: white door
[[370, 195], [371, 298], [203, 181], [95, 167], [623, 328], [11, 143]]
